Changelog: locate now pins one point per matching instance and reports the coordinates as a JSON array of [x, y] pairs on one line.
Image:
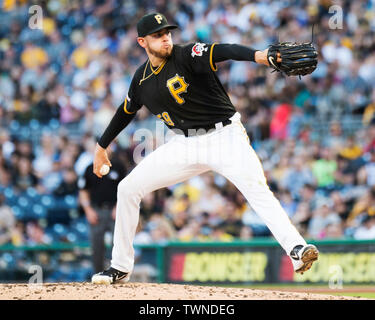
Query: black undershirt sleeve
[[119, 121], [223, 51]]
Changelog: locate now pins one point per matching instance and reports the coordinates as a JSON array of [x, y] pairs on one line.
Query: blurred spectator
[[366, 175], [4, 170], [297, 176], [86, 157], [24, 148], [340, 206], [369, 143], [302, 217], [19, 234], [335, 141], [33, 56], [151, 204], [24, 177], [7, 222], [218, 234], [334, 230], [53, 179], [47, 108], [287, 202], [69, 184], [43, 162], [363, 205], [307, 195], [344, 174], [180, 219], [322, 216], [210, 200], [232, 223], [351, 150], [280, 120], [246, 233], [367, 230], [369, 112], [142, 236], [161, 229], [190, 232], [179, 203], [324, 168], [281, 169], [35, 234]]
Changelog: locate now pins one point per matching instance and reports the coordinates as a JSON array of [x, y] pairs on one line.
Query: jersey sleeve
[[131, 104], [199, 57], [225, 51]]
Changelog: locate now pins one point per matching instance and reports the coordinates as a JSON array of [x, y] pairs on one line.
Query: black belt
[[201, 130]]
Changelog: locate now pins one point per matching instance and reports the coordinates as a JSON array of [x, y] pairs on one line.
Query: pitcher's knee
[[126, 189]]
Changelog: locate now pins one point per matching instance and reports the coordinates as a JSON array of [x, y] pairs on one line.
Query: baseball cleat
[[110, 276], [303, 257]]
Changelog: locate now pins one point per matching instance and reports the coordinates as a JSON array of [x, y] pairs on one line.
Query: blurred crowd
[[60, 86]]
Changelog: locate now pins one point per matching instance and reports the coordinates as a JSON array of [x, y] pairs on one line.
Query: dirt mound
[[147, 291]]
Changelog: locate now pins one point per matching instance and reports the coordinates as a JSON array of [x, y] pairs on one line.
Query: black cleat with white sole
[[110, 276]]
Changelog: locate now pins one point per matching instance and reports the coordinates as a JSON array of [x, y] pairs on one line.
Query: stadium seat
[[9, 260], [23, 202], [18, 212], [39, 211], [70, 201], [54, 124], [14, 126], [81, 230], [72, 237], [47, 201], [59, 229], [10, 197], [31, 192], [34, 125]]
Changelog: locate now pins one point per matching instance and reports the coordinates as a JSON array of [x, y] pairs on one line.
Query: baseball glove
[[297, 59]]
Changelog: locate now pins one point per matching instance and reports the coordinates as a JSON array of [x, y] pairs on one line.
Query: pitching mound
[[148, 291]]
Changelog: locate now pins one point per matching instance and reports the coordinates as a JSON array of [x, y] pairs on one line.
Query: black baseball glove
[[297, 59]]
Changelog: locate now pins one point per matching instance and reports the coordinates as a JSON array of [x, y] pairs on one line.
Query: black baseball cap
[[153, 22]]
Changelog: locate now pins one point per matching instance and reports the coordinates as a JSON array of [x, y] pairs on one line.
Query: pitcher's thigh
[[163, 167], [238, 160]]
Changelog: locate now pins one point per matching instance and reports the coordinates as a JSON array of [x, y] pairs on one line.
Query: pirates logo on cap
[[158, 18], [152, 22]]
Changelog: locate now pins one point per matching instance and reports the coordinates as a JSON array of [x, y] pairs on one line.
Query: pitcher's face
[[158, 44]]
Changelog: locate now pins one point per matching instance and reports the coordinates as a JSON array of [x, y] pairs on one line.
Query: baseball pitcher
[[179, 85]]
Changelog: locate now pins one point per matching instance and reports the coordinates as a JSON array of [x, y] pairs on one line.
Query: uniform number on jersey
[[176, 87], [167, 119]]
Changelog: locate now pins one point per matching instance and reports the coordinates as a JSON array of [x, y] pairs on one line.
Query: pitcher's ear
[[141, 41]]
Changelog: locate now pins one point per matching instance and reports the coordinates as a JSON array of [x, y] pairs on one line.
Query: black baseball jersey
[[102, 190], [184, 91]]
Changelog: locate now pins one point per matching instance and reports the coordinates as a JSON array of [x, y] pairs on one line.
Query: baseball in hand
[[104, 169]]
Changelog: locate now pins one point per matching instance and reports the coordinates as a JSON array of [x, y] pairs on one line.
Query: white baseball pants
[[226, 151]]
